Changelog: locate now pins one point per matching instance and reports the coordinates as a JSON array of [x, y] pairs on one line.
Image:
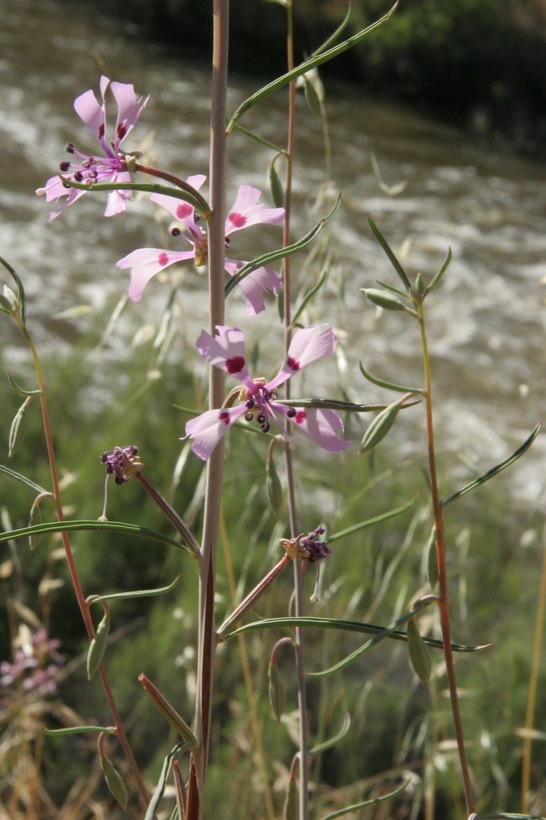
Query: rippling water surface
[[487, 331]]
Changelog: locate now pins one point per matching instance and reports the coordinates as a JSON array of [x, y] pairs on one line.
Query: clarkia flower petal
[[226, 351], [145, 263], [254, 285], [207, 429], [308, 345], [323, 426], [246, 211]]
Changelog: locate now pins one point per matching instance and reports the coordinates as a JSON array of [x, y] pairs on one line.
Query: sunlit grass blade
[[372, 802], [280, 253], [312, 62], [497, 469], [20, 289], [140, 593], [248, 133], [322, 747], [23, 479], [390, 253], [117, 527], [349, 626], [371, 521], [399, 388]]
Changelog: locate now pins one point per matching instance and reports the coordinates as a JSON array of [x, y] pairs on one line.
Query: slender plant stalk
[[533, 683], [213, 491], [298, 581], [443, 598], [74, 577]]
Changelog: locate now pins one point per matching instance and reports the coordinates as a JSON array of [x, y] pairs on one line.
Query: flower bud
[[419, 288], [98, 645], [383, 299], [18, 428], [276, 690], [275, 183], [418, 652], [114, 782], [291, 808], [432, 560]]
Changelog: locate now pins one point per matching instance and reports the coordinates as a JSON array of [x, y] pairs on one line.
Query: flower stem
[[213, 491], [443, 598], [74, 577]]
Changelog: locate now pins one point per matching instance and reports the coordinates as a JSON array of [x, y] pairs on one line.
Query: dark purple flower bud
[[122, 462]]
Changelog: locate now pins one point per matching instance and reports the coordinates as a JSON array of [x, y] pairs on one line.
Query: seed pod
[[114, 782], [419, 288], [383, 299], [379, 427], [418, 652], [275, 184], [98, 645], [312, 97], [432, 560], [274, 488], [276, 691], [291, 808], [18, 428]]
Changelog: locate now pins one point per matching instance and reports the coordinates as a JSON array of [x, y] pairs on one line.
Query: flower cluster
[[35, 664], [122, 463], [259, 398], [113, 165], [307, 547], [245, 211]]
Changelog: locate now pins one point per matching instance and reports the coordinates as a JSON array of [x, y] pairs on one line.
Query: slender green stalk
[[298, 581], [74, 577], [213, 491], [443, 598], [533, 684]]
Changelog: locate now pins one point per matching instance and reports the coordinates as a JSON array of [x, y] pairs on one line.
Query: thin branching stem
[[443, 598], [72, 569]]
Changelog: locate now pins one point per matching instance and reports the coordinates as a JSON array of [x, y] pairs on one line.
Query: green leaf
[[20, 391], [497, 469], [147, 188], [23, 479], [18, 428], [365, 803], [118, 527], [399, 388], [97, 646], [322, 747], [141, 593], [436, 279], [74, 730], [390, 253], [371, 521], [162, 782], [313, 62], [280, 253], [307, 297]]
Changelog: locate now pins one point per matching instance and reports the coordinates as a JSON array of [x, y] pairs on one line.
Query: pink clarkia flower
[[245, 211], [112, 166], [226, 350]]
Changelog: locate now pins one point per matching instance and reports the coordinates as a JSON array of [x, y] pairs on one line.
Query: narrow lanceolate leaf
[[372, 521], [162, 782], [145, 187], [307, 297], [18, 428], [316, 60], [436, 279], [20, 390], [114, 781], [399, 388], [118, 527], [365, 803], [391, 255], [498, 467], [140, 593], [22, 478], [74, 730], [322, 747], [98, 645], [36, 518]]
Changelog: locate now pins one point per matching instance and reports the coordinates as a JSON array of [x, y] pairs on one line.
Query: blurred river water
[[487, 321]]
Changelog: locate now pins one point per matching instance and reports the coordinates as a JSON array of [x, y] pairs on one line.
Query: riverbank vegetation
[[477, 64]]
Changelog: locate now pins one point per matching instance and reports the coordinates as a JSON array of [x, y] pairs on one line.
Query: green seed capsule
[[418, 652], [114, 782], [379, 427], [291, 808], [432, 560], [18, 428], [97, 646], [275, 183], [383, 299], [274, 488], [276, 691]]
